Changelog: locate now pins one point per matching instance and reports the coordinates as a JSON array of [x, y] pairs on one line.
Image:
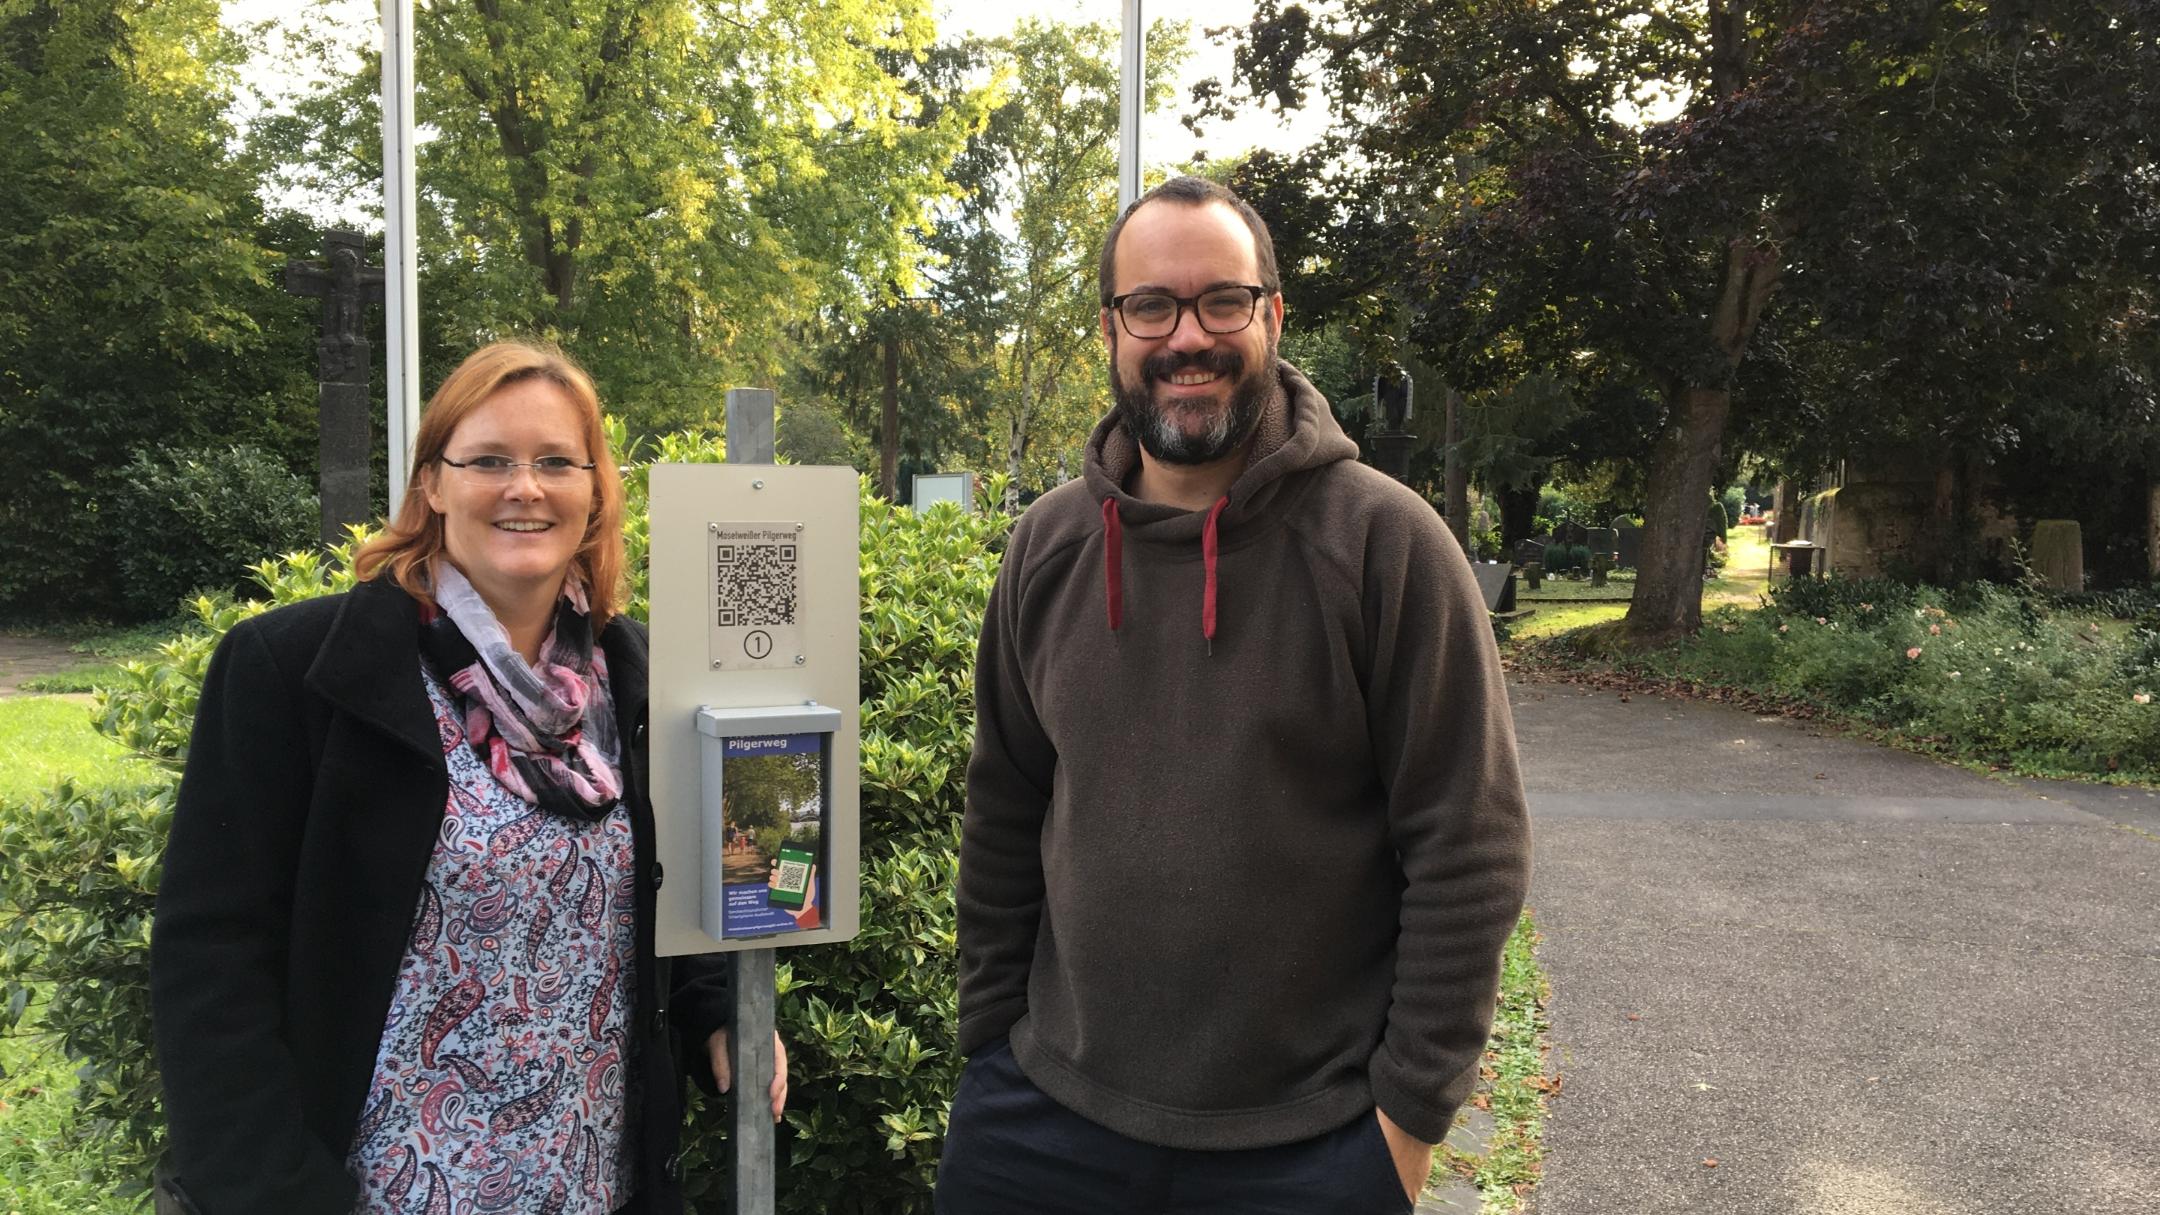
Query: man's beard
[[1156, 429]]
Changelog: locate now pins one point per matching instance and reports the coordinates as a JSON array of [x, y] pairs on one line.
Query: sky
[[1162, 138]]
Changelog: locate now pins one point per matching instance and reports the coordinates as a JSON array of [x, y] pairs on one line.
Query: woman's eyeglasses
[[551, 469]]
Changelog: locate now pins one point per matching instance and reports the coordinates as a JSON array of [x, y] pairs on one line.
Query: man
[[1244, 832]]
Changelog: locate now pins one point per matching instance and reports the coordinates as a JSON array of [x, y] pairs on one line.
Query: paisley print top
[[499, 1083]]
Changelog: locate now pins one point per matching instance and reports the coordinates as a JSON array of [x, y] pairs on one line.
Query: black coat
[[314, 790]]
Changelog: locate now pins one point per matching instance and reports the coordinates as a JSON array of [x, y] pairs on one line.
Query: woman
[[403, 954]]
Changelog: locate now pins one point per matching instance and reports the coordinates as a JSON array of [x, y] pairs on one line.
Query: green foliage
[[139, 303], [151, 708], [1560, 558], [47, 1166], [872, 1024], [667, 187], [1735, 504], [1982, 673], [78, 882], [811, 432], [187, 521]]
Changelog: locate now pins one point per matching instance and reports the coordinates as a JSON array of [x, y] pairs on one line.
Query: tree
[[668, 187], [137, 302], [1982, 301], [911, 366], [1587, 232], [1048, 164]]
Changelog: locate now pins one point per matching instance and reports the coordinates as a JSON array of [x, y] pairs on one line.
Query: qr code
[[793, 877], [754, 585]]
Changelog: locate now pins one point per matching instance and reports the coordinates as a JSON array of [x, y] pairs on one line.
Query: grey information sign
[[756, 594]]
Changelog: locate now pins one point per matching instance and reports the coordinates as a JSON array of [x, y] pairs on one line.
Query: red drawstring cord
[[1208, 545], [1114, 561]]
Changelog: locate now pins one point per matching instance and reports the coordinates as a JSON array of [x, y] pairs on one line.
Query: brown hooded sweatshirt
[[1244, 832]]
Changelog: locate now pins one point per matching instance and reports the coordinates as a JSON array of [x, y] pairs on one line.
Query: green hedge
[[870, 1024]]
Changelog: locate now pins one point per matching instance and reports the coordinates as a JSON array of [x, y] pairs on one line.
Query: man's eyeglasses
[[554, 470], [1154, 314]]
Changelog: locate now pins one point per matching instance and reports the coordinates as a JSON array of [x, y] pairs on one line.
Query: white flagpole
[[401, 258], [1132, 101]]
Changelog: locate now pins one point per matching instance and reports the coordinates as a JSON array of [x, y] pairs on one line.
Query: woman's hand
[[723, 1069]]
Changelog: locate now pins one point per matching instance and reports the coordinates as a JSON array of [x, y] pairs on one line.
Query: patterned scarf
[[546, 731]]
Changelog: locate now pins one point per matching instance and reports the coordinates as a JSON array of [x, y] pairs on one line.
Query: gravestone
[[1603, 540], [1627, 542], [1530, 558], [345, 363], [1497, 580], [2058, 554]]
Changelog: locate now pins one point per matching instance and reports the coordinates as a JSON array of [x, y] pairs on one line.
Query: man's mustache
[[1166, 363]]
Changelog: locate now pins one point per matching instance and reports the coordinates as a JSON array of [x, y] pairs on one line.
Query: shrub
[[78, 881], [1982, 672], [1839, 598], [870, 1024], [1563, 557], [1735, 503], [180, 522]]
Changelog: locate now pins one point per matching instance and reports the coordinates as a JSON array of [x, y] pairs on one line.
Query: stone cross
[[345, 363]]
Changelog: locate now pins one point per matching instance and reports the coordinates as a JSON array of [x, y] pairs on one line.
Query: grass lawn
[[47, 737], [1551, 618]]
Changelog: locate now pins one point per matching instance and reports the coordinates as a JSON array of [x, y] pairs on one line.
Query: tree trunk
[[1940, 558], [1016, 438], [889, 427], [1668, 590], [1455, 476], [1786, 502], [1518, 518], [2152, 532]]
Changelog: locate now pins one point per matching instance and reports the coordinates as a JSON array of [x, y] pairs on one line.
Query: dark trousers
[[1011, 1150]]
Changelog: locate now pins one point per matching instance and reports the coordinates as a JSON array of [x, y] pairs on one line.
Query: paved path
[[27, 657], [1859, 981]]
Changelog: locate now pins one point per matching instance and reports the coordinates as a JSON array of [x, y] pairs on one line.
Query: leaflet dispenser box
[[755, 729]]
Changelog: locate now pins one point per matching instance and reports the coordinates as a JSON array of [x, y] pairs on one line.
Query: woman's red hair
[[415, 536]]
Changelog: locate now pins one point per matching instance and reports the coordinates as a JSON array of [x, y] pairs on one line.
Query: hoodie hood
[[1296, 431]]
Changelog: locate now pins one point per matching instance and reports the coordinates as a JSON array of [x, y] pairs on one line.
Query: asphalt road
[[1799, 974]]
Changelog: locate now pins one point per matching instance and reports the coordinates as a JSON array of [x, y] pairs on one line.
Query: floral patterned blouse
[[499, 1083]]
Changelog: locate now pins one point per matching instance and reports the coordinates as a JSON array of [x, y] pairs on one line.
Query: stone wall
[[1871, 529]]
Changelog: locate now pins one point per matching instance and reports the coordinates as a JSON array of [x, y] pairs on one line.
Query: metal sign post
[[756, 601], [401, 256], [1132, 103], [753, 1179]]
